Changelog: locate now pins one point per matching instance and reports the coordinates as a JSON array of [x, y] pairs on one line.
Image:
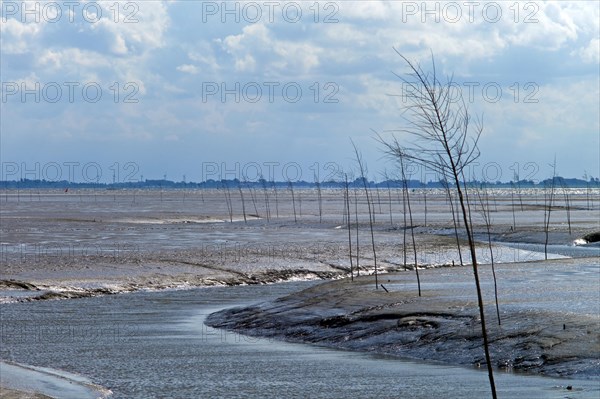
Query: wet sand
[[6, 393], [12, 394], [95, 242], [18, 381], [549, 310]]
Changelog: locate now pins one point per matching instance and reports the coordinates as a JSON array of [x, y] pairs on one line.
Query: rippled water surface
[[154, 344]]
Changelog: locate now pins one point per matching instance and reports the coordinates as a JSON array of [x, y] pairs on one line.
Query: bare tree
[[455, 222], [347, 200], [404, 215], [276, 199], [444, 140], [263, 182], [253, 197], [412, 227], [319, 198], [291, 186], [425, 203], [519, 193], [587, 186], [512, 203], [567, 202], [228, 200], [389, 190], [378, 197], [363, 174], [357, 230], [243, 202], [548, 200], [484, 202]]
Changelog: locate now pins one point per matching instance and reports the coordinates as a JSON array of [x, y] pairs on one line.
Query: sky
[[193, 90]]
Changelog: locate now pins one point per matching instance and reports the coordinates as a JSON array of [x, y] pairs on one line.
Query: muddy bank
[[592, 237], [32, 292], [6, 393], [549, 312], [20, 381]]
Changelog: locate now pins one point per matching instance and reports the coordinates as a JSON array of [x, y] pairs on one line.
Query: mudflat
[[549, 313], [90, 242]]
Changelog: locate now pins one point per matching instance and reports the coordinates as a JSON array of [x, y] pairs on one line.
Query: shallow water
[[574, 251], [155, 344], [54, 383]]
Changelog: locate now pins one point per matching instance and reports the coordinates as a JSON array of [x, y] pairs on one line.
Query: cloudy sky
[[144, 89]]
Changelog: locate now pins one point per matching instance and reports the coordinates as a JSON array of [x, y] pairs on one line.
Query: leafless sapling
[[291, 187], [347, 200], [455, 220], [227, 195], [548, 200], [276, 198], [357, 230], [484, 203], [567, 202], [243, 202], [389, 190], [319, 198], [401, 162], [363, 173], [445, 140], [263, 183]]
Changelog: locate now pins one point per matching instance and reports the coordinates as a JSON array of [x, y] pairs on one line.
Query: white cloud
[[247, 63], [590, 53], [188, 68], [359, 10], [167, 61], [554, 120], [16, 37], [252, 36], [71, 60], [550, 25], [293, 54], [119, 46], [140, 28], [50, 59], [256, 45], [203, 54]]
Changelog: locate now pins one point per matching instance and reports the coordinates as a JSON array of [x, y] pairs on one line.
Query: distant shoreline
[[153, 184]]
